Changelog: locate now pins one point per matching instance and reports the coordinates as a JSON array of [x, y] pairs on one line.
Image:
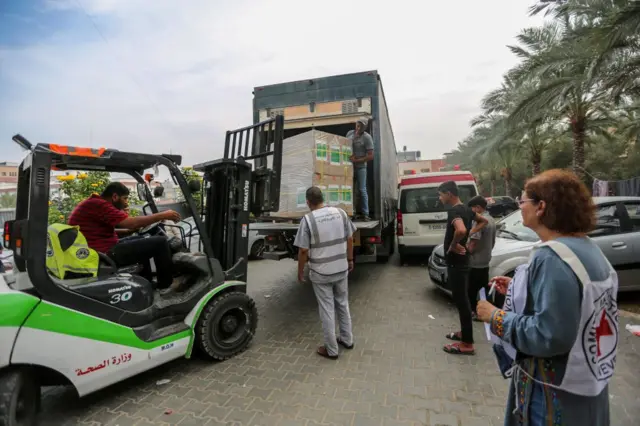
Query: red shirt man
[[99, 216], [97, 219]]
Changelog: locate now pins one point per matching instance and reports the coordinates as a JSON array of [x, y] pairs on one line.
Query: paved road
[[396, 375]]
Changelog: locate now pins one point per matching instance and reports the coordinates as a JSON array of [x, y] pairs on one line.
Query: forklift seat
[[106, 265], [192, 262]]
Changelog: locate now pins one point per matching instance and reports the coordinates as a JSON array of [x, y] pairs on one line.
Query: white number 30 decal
[[121, 297]]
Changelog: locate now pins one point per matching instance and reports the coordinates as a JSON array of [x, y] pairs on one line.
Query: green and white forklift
[[93, 331]]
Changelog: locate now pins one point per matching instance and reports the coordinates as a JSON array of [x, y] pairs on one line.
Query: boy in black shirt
[[459, 223]]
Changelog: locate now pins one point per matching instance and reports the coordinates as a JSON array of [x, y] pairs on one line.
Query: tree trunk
[[578, 127], [536, 160], [493, 187], [508, 176]]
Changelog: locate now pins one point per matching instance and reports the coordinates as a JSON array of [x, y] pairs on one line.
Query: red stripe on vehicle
[[437, 179]]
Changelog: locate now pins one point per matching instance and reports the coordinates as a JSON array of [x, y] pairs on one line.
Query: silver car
[[617, 234]]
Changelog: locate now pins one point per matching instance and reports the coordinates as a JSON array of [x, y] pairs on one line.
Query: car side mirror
[[194, 185], [158, 191]]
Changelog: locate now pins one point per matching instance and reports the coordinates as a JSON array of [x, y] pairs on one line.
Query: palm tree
[[492, 167], [559, 85], [534, 134]]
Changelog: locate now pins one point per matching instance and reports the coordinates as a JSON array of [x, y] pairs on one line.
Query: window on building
[[425, 170], [4, 173], [407, 172]]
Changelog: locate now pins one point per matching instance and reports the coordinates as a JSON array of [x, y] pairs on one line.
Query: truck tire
[[227, 325], [256, 250], [19, 397], [388, 246]]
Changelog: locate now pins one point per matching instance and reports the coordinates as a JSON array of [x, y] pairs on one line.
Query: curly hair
[[569, 206]]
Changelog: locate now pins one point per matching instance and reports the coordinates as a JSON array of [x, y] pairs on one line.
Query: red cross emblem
[[603, 329]]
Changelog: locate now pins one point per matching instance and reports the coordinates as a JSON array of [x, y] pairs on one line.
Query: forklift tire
[[227, 325], [19, 397]]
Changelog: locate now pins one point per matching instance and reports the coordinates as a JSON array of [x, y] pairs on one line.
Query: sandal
[[455, 349], [454, 336], [344, 345], [322, 351]]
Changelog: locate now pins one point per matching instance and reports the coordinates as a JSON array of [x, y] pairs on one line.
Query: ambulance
[[421, 217]]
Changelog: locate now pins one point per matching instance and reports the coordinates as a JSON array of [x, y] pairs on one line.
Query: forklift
[[96, 330]]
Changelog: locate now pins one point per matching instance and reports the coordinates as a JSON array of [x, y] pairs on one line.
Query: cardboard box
[[315, 158]]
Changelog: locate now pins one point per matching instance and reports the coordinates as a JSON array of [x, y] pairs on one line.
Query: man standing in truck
[[361, 154]]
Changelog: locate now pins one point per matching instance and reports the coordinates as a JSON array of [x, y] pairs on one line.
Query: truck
[[333, 105]]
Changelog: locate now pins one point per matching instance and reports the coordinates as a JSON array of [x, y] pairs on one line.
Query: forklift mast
[[234, 189]]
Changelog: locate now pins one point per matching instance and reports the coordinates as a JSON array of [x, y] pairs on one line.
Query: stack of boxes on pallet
[[315, 158]]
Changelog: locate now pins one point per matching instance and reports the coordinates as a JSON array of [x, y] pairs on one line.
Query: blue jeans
[[361, 181]]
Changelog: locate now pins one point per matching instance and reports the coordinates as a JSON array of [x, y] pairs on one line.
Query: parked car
[[617, 234], [501, 206]]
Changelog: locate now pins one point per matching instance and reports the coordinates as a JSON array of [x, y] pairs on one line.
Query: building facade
[[8, 169]]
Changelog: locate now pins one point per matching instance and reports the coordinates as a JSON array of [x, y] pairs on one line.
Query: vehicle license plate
[[437, 227]]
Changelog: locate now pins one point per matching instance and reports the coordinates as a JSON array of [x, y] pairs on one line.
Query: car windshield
[[425, 200], [511, 227]]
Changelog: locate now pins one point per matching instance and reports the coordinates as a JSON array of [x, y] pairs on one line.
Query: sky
[[162, 76]]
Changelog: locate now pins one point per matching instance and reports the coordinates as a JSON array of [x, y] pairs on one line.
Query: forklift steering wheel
[[147, 229]]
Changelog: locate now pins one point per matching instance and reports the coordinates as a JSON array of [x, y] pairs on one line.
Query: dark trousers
[[458, 278], [139, 251], [478, 279]]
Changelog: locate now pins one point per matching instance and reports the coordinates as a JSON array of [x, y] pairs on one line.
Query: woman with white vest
[[557, 331]]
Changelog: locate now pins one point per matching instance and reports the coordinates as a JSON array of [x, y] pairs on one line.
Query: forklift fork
[[235, 188]]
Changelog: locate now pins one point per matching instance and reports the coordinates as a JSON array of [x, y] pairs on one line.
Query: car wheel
[[256, 250], [19, 397], [227, 325]]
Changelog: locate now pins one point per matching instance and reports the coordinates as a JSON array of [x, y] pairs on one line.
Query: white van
[[422, 218]]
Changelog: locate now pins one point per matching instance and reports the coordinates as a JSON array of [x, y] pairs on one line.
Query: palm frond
[[549, 93]]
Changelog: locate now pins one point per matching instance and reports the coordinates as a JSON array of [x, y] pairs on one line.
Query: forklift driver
[[102, 218]]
